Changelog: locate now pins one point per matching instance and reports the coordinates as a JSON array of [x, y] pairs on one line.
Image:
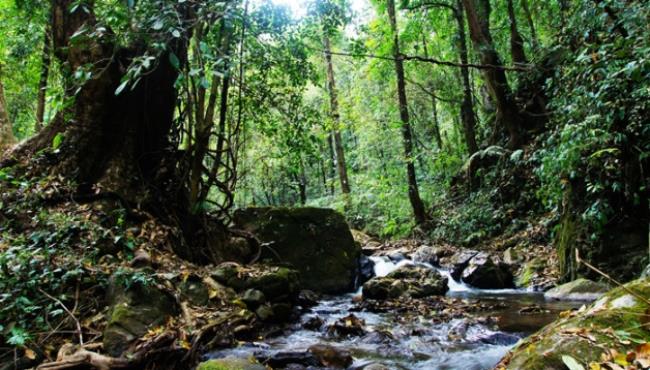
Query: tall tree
[[45, 73], [407, 135], [478, 19], [334, 113], [6, 128], [516, 41], [467, 115]]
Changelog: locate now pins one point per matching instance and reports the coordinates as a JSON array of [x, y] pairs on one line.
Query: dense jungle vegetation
[[143, 141]]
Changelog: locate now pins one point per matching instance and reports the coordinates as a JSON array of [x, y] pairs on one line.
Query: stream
[[418, 343]]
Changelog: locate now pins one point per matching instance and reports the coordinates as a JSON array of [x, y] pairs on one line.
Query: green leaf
[[56, 142], [18, 337], [158, 24], [121, 87], [572, 363], [173, 59]]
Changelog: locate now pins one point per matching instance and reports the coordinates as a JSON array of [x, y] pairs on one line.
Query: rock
[[529, 272], [483, 273], [193, 290], [230, 363], [265, 313], [331, 356], [411, 281], [586, 335], [459, 261], [396, 257], [313, 323], [316, 241], [308, 298], [383, 288], [577, 290], [275, 282], [378, 337], [132, 312], [499, 339], [347, 326], [282, 360], [366, 269], [375, 366], [281, 311], [426, 254], [253, 298]]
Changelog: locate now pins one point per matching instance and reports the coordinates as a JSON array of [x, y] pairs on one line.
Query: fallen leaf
[[572, 363]]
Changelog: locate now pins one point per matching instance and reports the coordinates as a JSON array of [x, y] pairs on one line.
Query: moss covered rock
[[230, 363], [318, 242], [578, 290], [616, 321], [134, 308]]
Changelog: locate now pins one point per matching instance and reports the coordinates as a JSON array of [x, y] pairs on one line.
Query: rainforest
[[325, 184]]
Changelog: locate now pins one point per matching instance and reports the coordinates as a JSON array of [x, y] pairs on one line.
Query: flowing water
[[419, 343]]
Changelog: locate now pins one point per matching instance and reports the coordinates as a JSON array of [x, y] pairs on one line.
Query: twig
[[72, 316], [580, 260]]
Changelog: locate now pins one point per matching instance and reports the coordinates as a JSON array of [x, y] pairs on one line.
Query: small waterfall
[[384, 266]]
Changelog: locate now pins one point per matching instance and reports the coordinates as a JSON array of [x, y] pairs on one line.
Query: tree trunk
[[413, 191], [436, 123], [531, 24], [467, 106], [302, 183], [330, 142], [6, 128], [434, 102], [516, 41], [334, 112], [119, 144], [42, 83], [478, 18]]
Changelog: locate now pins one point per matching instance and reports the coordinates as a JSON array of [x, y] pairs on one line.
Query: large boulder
[[134, 308], [410, 281], [484, 273], [611, 333], [316, 241], [577, 290]]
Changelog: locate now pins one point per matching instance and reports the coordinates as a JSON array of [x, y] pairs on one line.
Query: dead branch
[[72, 316]]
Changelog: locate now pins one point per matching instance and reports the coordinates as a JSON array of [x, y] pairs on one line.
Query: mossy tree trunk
[[478, 19]]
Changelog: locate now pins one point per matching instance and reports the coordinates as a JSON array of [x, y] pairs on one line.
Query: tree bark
[[516, 41], [478, 18], [334, 112], [6, 128], [42, 83], [467, 106], [407, 135]]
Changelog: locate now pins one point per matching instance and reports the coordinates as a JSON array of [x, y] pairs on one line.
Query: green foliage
[[601, 137]]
